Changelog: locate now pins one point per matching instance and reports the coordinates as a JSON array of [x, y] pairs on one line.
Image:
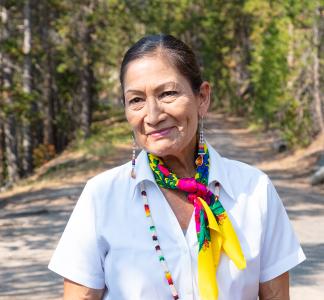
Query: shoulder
[[243, 173], [110, 181], [248, 181], [237, 177]]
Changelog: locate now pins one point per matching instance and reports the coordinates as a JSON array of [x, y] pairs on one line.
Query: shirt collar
[[142, 169], [217, 170]]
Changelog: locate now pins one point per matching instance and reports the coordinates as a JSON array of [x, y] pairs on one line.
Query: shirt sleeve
[[281, 250], [77, 256]]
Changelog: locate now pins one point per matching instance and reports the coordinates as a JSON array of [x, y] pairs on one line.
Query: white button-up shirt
[[107, 241]]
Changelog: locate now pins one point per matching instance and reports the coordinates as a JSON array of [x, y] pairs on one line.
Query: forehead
[[152, 70]]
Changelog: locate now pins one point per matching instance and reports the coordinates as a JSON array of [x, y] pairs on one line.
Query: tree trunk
[[11, 148], [317, 95], [2, 144], [26, 130], [2, 155], [9, 122], [86, 73], [86, 92], [48, 78], [48, 98]]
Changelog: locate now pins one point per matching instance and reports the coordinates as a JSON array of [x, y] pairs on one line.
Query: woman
[[185, 223]]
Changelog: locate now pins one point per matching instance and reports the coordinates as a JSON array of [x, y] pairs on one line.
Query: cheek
[[136, 123], [133, 119], [188, 116], [192, 127]]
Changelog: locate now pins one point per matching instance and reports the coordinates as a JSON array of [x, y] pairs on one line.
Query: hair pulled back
[[180, 55]]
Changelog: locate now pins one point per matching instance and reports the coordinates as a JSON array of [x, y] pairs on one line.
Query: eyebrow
[[158, 88]]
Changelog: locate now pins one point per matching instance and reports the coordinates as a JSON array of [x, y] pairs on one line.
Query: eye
[[168, 94], [135, 100], [136, 103]]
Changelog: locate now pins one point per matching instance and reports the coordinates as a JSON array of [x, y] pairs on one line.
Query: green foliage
[[269, 71], [258, 56], [281, 39]]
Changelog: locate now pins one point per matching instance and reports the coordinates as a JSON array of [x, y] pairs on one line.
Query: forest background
[[59, 65]]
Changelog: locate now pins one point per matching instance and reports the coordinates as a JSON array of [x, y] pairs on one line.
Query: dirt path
[[304, 203], [32, 220]]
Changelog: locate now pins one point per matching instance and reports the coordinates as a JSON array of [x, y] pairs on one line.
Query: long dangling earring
[[201, 147], [133, 173]]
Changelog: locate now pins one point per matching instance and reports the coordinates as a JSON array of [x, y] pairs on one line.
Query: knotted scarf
[[215, 232]]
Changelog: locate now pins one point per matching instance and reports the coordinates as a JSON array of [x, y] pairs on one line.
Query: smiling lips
[[160, 133]]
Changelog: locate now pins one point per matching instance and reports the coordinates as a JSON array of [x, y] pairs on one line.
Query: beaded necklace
[[156, 243]]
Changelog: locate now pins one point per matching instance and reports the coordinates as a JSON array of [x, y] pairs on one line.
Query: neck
[[183, 163]]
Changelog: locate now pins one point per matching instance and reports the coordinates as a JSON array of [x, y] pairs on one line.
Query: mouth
[[160, 133]]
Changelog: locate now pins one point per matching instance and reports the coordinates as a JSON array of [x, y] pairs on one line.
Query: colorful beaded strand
[[201, 149], [133, 173], [156, 243]]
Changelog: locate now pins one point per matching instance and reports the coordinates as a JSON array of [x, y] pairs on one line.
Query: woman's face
[[161, 107]]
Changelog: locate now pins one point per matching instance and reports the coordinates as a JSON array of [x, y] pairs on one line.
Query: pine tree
[[7, 102], [27, 89]]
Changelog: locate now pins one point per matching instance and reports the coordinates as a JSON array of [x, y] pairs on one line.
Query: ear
[[204, 98]]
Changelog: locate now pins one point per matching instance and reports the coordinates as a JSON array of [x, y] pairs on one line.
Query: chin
[[164, 147]]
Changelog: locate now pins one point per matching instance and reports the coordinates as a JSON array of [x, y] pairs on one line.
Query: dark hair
[[180, 54]]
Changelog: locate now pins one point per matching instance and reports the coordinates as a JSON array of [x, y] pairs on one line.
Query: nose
[[154, 112]]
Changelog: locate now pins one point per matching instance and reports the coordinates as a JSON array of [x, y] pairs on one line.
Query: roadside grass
[[85, 155], [109, 143], [104, 140]]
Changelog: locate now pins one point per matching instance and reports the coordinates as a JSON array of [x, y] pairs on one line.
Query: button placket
[[190, 240]]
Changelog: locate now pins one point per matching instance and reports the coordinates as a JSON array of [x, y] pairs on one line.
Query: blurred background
[[60, 61], [61, 119]]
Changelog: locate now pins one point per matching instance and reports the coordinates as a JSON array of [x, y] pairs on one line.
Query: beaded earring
[[201, 149], [133, 173]]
